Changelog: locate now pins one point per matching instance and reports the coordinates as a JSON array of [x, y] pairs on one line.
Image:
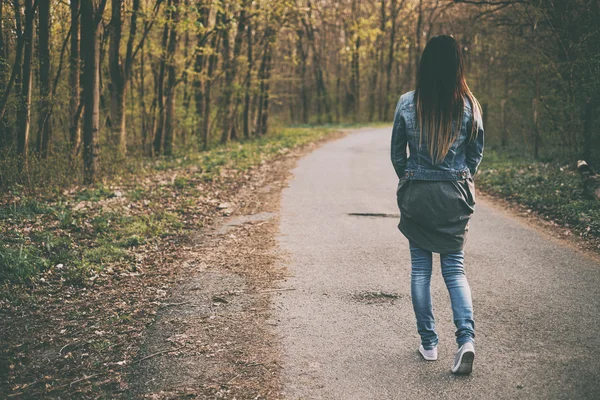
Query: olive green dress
[[435, 214]]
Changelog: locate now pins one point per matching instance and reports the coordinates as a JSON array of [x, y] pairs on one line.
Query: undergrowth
[[47, 222], [552, 189]]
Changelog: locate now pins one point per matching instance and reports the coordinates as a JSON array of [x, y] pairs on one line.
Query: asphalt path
[[345, 318]]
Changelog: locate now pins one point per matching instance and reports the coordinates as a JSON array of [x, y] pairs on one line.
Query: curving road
[[347, 327]]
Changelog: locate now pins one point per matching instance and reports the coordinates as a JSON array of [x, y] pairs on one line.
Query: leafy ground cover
[[551, 189], [83, 270], [83, 230]]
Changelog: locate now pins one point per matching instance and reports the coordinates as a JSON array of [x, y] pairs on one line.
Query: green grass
[[61, 224], [552, 189]]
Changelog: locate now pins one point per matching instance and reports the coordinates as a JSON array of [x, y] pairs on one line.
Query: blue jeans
[[460, 295]]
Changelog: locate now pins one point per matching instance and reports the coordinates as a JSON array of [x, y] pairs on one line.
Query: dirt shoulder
[[216, 319]]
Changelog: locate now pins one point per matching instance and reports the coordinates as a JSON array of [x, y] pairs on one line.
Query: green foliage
[[19, 263], [94, 194], [45, 230], [553, 189], [104, 254]]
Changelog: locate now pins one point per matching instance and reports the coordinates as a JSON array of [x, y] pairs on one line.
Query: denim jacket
[[462, 159]]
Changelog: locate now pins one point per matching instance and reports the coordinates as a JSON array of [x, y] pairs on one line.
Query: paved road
[[348, 329]]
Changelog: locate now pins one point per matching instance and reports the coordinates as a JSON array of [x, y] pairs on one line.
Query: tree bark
[[504, 140], [160, 86], [187, 93], [264, 76], [322, 95], [74, 77], [90, 54], [200, 61], [171, 81], [230, 110], [536, 100], [246, 116], [117, 79], [142, 99], [17, 65], [45, 115], [355, 67], [227, 89], [212, 63], [418, 35], [24, 107], [120, 71], [390, 61], [378, 54]]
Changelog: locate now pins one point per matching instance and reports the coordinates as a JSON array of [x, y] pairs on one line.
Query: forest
[[87, 85], [145, 145]]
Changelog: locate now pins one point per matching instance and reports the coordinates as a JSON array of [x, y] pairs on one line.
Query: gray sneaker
[[463, 360], [429, 355]]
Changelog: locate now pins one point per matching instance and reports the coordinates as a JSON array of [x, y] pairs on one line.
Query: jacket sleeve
[[399, 143], [474, 151]]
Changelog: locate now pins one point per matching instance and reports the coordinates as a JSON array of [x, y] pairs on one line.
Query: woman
[[441, 123]]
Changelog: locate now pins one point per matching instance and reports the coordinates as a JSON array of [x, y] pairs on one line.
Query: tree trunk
[[264, 75], [230, 76], [227, 67], [390, 62], [302, 72], [90, 52], [536, 100], [355, 68], [264, 123], [200, 63], [378, 55], [117, 79], [17, 65], [45, 116], [322, 95], [418, 35], [24, 108], [187, 94], [142, 100], [212, 63], [246, 117], [504, 140], [171, 81], [160, 86], [74, 76]]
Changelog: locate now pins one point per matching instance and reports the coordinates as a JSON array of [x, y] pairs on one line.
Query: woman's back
[[461, 160]]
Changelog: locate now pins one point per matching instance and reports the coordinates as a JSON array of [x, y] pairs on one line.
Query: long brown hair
[[440, 96]]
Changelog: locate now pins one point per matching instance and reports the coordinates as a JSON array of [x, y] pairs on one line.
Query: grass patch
[[86, 229], [19, 263], [552, 189]]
